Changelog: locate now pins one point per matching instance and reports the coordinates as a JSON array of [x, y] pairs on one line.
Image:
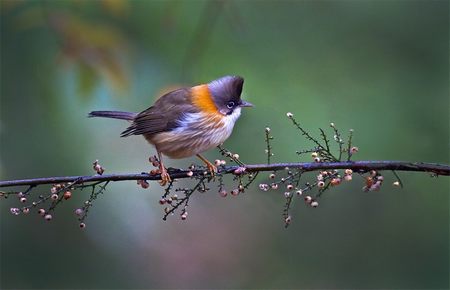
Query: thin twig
[[229, 154], [325, 139], [349, 145], [268, 147], [184, 200], [338, 139], [398, 178]]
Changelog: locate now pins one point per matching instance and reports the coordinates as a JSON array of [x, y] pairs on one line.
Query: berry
[[354, 149], [67, 195], [308, 199], [288, 220], [335, 181]]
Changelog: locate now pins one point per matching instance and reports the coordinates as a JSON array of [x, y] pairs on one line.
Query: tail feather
[[113, 114]]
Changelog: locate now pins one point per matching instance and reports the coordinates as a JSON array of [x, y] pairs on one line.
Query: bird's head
[[226, 94]]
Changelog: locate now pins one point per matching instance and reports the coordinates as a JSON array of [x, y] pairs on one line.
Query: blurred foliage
[[379, 67], [93, 46]]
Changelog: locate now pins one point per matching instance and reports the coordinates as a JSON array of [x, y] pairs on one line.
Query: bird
[[187, 121]]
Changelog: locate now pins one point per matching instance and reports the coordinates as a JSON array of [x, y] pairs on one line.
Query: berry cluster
[[180, 199], [58, 193], [290, 184], [330, 159]]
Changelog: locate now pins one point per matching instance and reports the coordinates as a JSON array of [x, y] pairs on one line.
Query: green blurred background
[[379, 67]]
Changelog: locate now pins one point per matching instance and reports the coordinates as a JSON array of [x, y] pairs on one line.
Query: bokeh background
[[379, 67]]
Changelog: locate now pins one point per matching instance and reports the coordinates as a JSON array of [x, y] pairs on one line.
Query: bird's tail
[[113, 114]]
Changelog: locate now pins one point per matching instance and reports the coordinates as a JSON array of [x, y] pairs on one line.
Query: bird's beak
[[245, 104]]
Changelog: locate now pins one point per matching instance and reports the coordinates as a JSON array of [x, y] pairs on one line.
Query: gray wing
[[163, 116]]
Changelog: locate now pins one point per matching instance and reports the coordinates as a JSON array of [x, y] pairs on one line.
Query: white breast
[[197, 133]]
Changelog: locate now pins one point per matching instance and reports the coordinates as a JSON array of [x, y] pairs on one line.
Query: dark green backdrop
[[379, 67]]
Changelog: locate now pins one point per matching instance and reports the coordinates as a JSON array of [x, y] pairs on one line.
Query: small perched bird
[[187, 121]]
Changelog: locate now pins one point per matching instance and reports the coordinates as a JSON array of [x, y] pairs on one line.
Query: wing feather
[[163, 116]]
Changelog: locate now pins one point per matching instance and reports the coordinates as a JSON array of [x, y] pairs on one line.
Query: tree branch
[[357, 166]]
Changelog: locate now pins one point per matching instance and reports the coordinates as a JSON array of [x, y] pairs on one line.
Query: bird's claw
[[212, 169], [165, 177]]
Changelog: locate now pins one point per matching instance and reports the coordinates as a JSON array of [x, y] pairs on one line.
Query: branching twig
[[268, 146], [233, 157], [349, 145], [356, 166], [331, 171]]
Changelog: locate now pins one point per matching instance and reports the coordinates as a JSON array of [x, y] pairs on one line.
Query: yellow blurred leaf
[[118, 8], [95, 45], [87, 79]]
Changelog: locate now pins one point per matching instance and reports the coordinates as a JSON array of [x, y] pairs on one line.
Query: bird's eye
[[230, 105]]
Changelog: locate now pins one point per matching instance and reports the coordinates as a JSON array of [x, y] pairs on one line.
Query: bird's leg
[[165, 177], [212, 169]]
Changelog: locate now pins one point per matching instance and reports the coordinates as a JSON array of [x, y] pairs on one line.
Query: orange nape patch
[[202, 98]]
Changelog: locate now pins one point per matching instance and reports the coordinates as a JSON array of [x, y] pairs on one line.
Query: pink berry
[[308, 199], [288, 220]]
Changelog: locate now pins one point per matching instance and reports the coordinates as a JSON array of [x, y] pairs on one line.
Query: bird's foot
[[165, 177], [211, 167]]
